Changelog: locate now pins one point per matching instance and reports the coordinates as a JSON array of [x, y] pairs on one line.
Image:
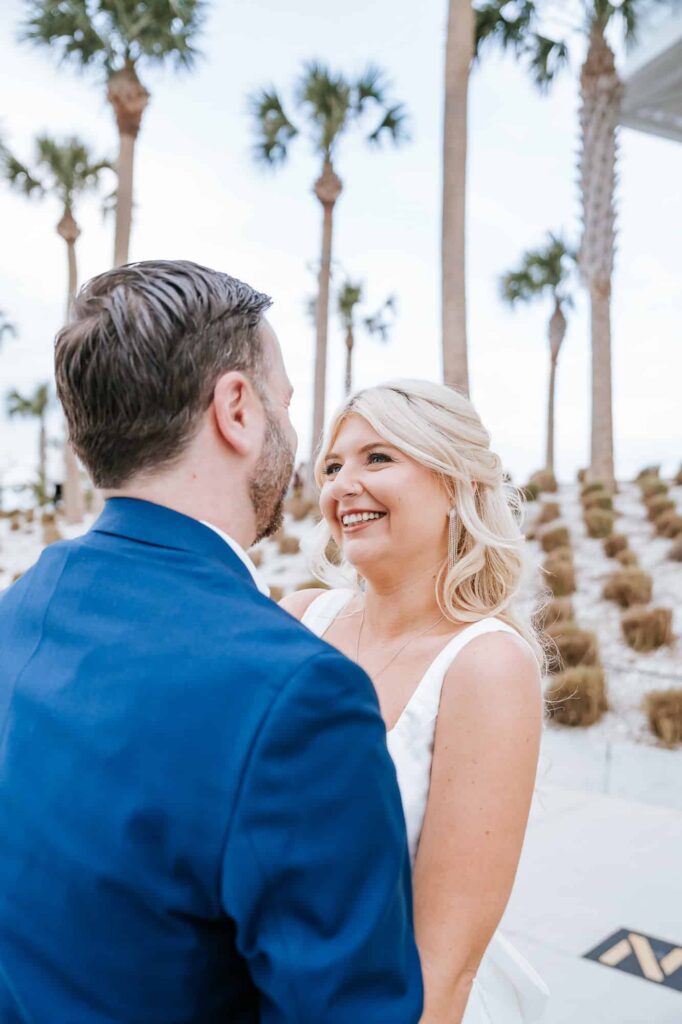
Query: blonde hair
[[439, 428]]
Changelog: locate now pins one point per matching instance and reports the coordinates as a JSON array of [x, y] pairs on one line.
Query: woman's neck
[[401, 604]]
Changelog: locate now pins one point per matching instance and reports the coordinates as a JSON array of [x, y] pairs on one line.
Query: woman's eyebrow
[[365, 448]]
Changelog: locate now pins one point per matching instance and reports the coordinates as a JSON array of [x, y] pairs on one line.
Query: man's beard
[[270, 481]]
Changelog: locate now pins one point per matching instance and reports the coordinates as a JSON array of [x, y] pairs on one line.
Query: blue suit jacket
[[199, 819]]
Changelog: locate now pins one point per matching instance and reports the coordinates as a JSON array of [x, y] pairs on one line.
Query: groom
[[199, 820]]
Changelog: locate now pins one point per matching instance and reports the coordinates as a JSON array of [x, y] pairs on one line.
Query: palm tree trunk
[[601, 449], [124, 199], [128, 98], [458, 56], [349, 360], [327, 189], [557, 332], [601, 92], [73, 491]]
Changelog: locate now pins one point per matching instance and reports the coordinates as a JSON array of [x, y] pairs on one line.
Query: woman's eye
[[381, 456], [331, 468]]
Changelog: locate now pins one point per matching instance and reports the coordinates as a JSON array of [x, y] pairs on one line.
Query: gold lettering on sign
[[672, 961], [614, 956], [646, 957]]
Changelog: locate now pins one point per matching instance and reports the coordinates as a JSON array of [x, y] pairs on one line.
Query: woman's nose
[[346, 484]]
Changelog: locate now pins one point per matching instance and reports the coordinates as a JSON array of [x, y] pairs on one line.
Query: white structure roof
[[653, 78]]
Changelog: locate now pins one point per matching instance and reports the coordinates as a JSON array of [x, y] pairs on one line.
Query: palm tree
[[377, 325], [545, 271], [66, 170], [470, 26], [328, 104], [34, 406], [115, 37], [7, 328], [600, 98], [459, 52]]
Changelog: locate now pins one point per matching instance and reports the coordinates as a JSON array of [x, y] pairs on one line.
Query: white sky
[[199, 196]]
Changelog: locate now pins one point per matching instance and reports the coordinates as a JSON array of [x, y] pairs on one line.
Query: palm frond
[[506, 24], [19, 177], [273, 129], [370, 87], [109, 33], [350, 295], [546, 58], [67, 27], [327, 102], [393, 125], [549, 268], [7, 328], [380, 324]]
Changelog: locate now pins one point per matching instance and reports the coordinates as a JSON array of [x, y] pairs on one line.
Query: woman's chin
[[363, 555]]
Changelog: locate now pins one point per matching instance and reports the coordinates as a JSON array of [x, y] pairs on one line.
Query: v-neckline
[[424, 675]]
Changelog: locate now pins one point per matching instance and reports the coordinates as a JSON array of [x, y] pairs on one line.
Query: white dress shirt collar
[[242, 556]]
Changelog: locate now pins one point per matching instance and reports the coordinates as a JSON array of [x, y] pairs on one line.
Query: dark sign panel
[[645, 957]]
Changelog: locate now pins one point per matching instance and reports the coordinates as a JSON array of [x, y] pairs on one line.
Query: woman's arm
[[482, 778]]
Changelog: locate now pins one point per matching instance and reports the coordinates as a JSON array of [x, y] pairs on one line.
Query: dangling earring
[[452, 538]]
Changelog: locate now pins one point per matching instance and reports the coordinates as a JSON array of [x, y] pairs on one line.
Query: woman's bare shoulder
[[298, 603]]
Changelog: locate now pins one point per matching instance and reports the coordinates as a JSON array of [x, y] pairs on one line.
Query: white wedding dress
[[506, 989]]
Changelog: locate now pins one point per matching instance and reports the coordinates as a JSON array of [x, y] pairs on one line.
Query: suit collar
[[163, 527]]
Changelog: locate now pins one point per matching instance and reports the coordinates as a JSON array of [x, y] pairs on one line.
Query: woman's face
[[383, 509]]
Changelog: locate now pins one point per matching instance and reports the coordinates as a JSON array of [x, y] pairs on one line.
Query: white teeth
[[360, 517]]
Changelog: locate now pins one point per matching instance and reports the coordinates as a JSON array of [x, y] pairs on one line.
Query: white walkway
[[594, 865]]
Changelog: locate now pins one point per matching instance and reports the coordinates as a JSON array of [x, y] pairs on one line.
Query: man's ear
[[238, 412]]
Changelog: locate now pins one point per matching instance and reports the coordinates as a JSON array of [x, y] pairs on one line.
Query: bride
[[415, 501]]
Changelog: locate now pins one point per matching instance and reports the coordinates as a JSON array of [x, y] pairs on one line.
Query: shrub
[[628, 587], [15, 524], [581, 475], [545, 480], [257, 558], [664, 711], [645, 629], [47, 517], [599, 522], [575, 646], [593, 487], [648, 471], [51, 533], [16, 576], [549, 511], [675, 552], [560, 574], [678, 477], [651, 486], [628, 559], [289, 545], [557, 609], [658, 504], [276, 594], [530, 492], [669, 523], [578, 696], [614, 544], [29, 515], [598, 499], [300, 508], [553, 537]]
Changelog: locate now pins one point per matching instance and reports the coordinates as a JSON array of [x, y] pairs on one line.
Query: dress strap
[[321, 612], [425, 701]]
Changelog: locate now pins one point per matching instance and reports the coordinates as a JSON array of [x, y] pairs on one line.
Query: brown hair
[[137, 364]]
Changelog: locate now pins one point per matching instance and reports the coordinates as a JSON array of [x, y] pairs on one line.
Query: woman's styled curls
[[439, 428]]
